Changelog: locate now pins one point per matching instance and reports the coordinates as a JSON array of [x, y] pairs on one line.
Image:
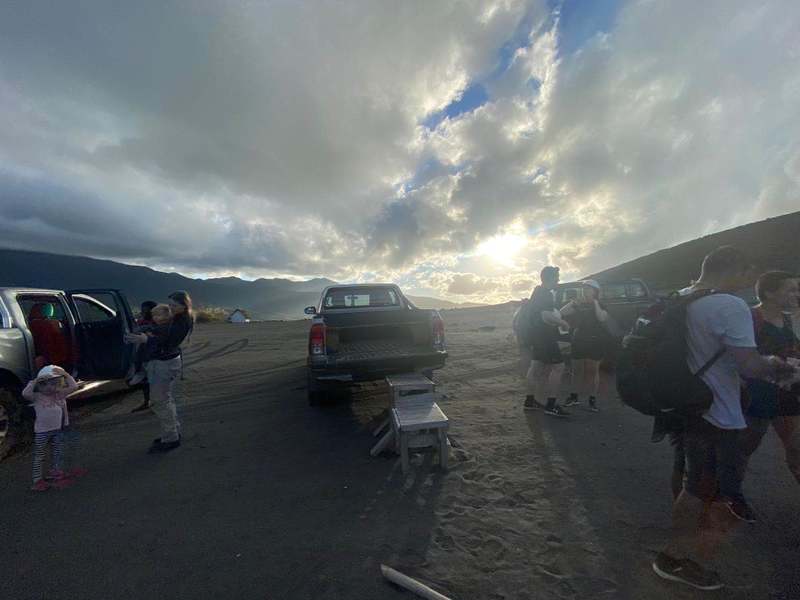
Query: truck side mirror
[[310, 310]]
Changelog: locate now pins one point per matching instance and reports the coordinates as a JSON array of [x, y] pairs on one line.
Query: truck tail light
[[438, 331], [316, 340]]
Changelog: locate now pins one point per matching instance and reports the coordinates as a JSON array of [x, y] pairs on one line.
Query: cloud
[[309, 139]]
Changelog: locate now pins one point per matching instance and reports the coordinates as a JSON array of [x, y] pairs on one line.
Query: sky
[[454, 147]]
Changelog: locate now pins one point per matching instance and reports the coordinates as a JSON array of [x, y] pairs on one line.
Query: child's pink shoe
[[40, 486], [62, 483], [76, 472]]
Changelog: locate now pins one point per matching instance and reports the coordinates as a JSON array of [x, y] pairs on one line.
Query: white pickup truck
[[80, 330]]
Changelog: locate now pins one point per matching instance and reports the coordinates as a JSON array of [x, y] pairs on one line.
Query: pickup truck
[[367, 331], [625, 301], [80, 330]]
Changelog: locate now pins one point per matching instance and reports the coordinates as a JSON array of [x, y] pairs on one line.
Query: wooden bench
[[420, 423], [411, 401]]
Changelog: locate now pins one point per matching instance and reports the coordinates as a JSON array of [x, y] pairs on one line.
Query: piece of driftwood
[[412, 585]]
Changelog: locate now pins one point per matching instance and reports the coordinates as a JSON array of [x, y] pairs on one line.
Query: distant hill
[[771, 244], [262, 298]]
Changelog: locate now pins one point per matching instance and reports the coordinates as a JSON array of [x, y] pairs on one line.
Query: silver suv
[[80, 330]]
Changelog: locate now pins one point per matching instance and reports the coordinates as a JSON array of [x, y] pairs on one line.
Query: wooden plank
[[444, 449], [412, 585], [383, 443], [408, 379]]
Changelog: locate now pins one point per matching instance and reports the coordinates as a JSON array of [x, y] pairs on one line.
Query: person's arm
[[751, 364], [28, 393], [601, 314], [568, 309], [72, 385], [552, 317]]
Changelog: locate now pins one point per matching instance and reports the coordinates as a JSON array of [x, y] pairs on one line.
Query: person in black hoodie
[[164, 364]]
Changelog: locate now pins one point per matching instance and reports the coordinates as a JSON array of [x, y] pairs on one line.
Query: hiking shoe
[[40, 486], [531, 404], [162, 447], [741, 510], [573, 400], [686, 571], [556, 411], [593, 405]]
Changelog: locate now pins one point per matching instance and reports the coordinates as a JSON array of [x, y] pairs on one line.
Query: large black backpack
[[653, 376]]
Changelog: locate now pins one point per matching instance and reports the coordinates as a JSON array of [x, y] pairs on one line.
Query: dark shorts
[[546, 350], [767, 401], [712, 458]]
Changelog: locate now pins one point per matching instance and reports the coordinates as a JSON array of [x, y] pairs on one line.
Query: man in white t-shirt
[[717, 324]]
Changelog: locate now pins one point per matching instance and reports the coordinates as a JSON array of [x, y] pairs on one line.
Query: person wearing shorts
[[544, 374], [590, 342], [770, 405], [718, 322]]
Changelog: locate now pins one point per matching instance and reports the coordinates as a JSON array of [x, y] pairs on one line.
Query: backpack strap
[[710, 362], [696, 295]]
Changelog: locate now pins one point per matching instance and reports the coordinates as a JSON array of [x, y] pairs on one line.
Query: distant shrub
[[210, 314]]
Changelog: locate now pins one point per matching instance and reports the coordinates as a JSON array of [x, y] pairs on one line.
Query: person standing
[[48, 394], [717, 325], [590, 342], [164, 365], [544, 374], [778, 294]]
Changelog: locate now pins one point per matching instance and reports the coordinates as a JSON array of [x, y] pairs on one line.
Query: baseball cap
[[591, 283]]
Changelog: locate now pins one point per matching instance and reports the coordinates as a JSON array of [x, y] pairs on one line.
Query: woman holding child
[[162, 343]]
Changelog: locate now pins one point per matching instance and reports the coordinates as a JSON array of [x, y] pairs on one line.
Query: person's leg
[[39, 447], [176, 372], [538, 376], [788, 429], [525, 358], [690, 515], [57, 441], [578, 372], [161, 399], [592, 382], [678, 464]]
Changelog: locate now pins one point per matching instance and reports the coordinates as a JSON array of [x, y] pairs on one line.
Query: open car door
[[103, 318]]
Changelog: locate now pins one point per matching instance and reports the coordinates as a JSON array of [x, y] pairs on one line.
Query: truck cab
[[79, 330]]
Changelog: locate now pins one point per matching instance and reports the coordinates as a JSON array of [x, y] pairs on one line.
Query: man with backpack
[[539, 322], [719, 347]]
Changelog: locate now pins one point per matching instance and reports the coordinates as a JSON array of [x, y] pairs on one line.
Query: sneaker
[[531, 404], [573, 400], [556, 411], [141, 407], [686, 571], [40, 486], [157, 441], [741, 510], [137, 378], [593, 405], [76, 472], [162, 447], [63, 483]]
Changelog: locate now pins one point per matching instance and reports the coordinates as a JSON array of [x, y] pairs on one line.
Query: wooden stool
[[421, 424]]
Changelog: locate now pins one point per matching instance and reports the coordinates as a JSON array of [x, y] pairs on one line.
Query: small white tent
[[238, 316]]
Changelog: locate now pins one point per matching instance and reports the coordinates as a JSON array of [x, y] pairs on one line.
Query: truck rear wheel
[[13, 425], [315, 392]]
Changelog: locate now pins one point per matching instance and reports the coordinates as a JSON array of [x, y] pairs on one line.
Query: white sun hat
[[49, 372]]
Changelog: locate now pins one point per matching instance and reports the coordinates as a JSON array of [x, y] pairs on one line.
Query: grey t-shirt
[[715, 322]]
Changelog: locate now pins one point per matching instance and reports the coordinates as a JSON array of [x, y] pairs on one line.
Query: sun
[[502, 249]]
